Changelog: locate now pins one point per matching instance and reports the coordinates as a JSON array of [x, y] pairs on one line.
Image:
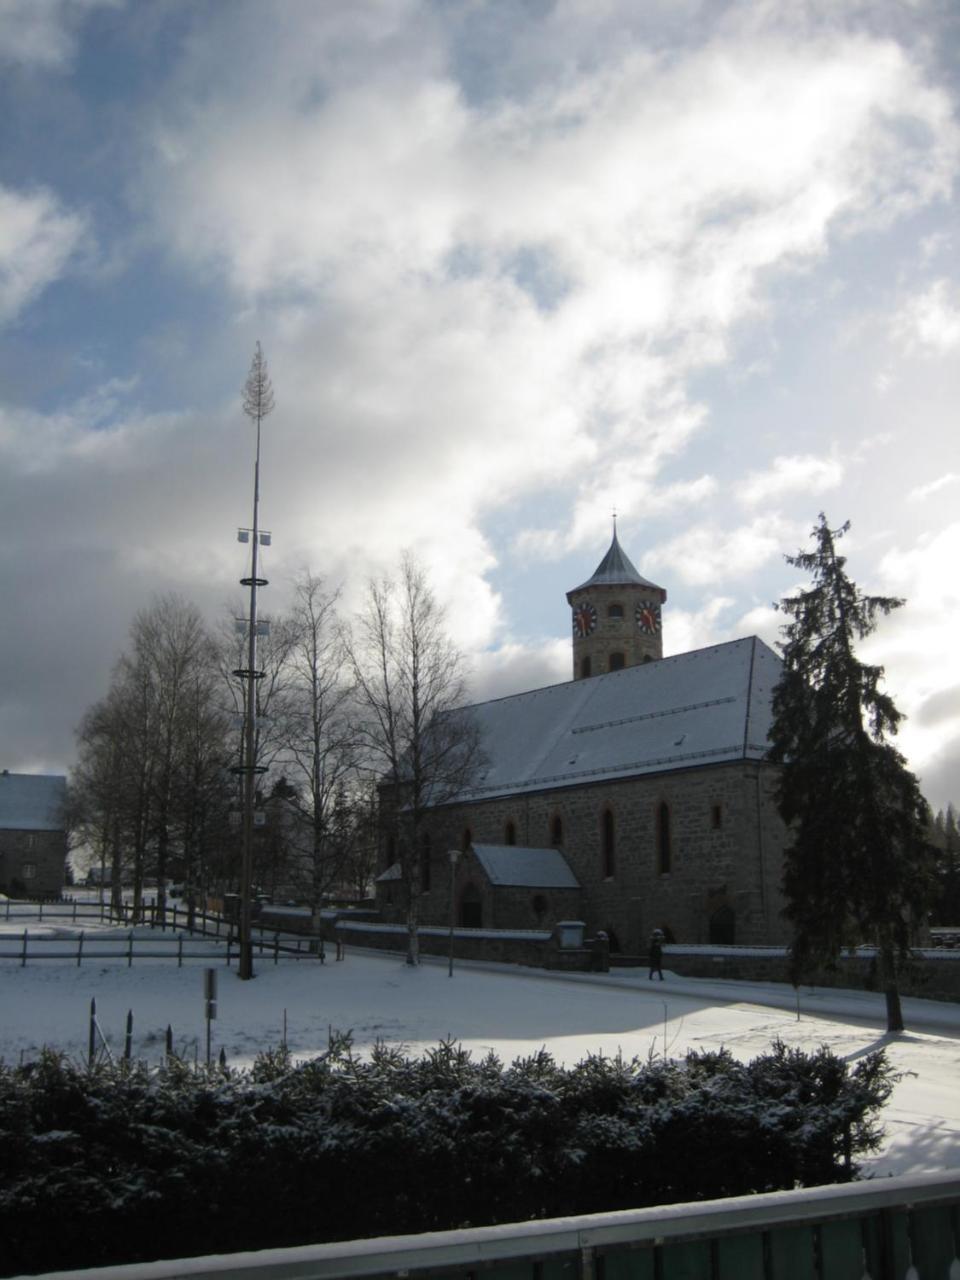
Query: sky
[[514, 266]]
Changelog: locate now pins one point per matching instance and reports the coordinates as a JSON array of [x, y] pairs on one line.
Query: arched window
[[556, 832], [615, 611], [584, 667], [425, 862], [608, 844], [617, 662], [467, 840], [663, 838], [510, 832]]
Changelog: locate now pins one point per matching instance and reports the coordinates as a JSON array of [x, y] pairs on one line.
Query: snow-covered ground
[[511, 1011]]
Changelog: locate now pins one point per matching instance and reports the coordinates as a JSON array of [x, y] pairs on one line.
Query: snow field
[[490, 1007]]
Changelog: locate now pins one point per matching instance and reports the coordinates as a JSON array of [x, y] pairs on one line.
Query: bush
[[343, 1147]]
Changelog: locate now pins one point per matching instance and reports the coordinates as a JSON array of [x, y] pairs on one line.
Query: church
[[636, 796]]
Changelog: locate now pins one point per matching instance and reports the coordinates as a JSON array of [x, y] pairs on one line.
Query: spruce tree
[[859, 867]]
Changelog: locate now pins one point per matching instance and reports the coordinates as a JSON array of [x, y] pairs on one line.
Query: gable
[[514, 865], [709, 706]]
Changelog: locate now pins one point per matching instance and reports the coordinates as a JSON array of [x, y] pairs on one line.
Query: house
[[33, 838], [646, 776]]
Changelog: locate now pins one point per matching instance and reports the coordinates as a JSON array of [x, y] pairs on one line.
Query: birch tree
[[417, 736]]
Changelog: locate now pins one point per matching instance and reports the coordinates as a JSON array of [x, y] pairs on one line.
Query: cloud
[[653, 193], [43, 33], [37, 239], [923, 491], [917, 647], [707, 553], [929, 324], [785, 475]]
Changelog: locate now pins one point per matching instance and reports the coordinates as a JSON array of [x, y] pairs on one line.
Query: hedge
[[127, 1163]]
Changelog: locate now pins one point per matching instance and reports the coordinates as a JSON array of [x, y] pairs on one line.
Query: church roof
[[710, 706], [31, 801], [614, 570], [507, 864]]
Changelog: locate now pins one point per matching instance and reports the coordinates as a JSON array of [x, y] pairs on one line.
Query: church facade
[[636, 796]]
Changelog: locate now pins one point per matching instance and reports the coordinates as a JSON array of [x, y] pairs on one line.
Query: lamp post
[[454, 855]]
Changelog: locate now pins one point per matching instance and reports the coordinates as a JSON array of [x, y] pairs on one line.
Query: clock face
[[648, 617], [584, 620]]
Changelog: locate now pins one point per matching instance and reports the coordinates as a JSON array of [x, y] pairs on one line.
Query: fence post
[[92, 1044], [80, 949], [179, 950], [130, 950], [74, 911], [41, 909], [128, 1039], [23, 960]]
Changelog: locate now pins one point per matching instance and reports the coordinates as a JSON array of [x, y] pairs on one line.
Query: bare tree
[[320, 738], [411, 687], [153, 751]]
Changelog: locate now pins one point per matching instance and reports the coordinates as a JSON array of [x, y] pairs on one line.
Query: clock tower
[[616, 617]]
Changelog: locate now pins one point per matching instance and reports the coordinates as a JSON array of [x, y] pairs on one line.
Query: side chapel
[[637, 796]]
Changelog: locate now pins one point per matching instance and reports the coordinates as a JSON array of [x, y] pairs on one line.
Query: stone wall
[[535, 948], [32, 863], [726, 848], [933, 974]]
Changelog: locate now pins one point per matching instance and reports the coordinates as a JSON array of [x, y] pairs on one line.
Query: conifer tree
[[859, 867]]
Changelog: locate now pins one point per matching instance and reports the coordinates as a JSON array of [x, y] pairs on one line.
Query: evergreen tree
[[859, 867]]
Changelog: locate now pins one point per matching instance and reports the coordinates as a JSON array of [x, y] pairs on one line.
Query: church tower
[[616, 617]]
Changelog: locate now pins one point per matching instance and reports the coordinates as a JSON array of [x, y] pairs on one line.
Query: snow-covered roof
[[393, 872], [31, 801], [614, 570], [709, 706], [507, 864]]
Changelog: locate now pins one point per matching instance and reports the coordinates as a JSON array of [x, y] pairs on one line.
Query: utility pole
[[257, 403]]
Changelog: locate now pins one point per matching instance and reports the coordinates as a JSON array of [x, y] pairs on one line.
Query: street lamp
[[453, 855]]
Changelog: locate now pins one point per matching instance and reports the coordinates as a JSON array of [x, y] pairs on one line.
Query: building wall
[[726, 848], [32, 862]]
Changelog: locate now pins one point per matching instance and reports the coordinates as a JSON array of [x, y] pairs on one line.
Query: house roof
[[614, 570], [506, 864], [31, 801], [709, 706]]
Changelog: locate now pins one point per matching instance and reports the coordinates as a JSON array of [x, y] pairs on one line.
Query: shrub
[[343, 1147]]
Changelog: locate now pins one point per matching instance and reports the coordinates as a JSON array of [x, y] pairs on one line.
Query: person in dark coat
[[656, 954]]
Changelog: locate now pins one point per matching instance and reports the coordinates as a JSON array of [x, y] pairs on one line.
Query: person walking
[[656, 954]]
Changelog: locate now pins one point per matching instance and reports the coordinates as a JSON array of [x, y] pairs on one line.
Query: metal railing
[[893, 1229]]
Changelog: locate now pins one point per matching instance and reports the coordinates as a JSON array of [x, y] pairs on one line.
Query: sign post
[[210, 1002]]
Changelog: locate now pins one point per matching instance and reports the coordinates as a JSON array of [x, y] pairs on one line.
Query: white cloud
[[685, 630], [930, 322], [917, 647], [42, 33], [796, 474], [923, 491], [707, 553], [37, 239], [653, 195]]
